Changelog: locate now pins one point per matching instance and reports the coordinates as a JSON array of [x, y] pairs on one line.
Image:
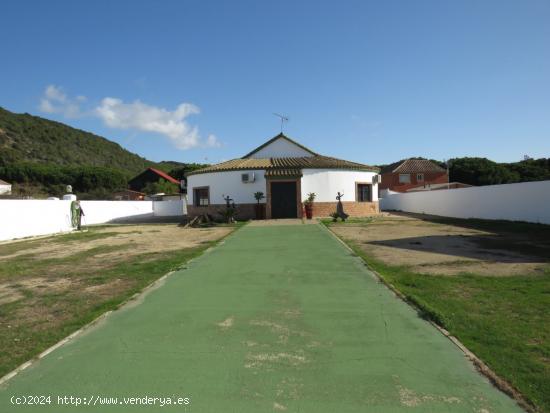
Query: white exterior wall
[[281, 148], [228, 183], [526, 201], [325, 183], [5, 189]]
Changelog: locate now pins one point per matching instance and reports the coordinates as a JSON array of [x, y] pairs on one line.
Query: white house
[[286, 172], [5, 188]]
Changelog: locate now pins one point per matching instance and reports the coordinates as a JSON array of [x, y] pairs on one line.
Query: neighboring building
[[5, 188], [128, 195], [165, 197], [286, 172], [148, 176], [411, 173]]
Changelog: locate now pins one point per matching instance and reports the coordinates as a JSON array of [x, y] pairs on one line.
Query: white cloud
[[213, 142], [115, 113], [137, 115], [55, 93], [54, 100]]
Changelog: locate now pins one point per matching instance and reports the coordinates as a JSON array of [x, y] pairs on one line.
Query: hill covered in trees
[[28, 138], [40, 157], [482, 171]]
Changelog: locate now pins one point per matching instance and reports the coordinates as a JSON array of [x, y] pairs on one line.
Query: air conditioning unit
[[377, 179], [248, 178]]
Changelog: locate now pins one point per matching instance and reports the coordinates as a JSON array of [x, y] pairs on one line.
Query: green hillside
[[40, 157], [27, 138]]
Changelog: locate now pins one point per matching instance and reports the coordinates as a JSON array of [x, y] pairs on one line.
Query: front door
[[283, 200]]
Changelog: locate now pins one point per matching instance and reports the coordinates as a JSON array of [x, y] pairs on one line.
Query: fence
[[26, 218], [526, 201]]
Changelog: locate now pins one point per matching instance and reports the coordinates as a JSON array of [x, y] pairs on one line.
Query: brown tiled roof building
[[286, 173], [411, 173]]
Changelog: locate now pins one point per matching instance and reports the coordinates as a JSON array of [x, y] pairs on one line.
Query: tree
[[162, 186], [481, 171], [52, 179], [180, 172]]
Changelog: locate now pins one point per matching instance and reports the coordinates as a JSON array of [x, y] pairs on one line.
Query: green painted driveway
[[277, 318]]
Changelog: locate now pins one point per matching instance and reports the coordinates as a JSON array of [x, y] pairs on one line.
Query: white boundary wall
[[172, 208], [100, 212], [526, 201], [27, 218]]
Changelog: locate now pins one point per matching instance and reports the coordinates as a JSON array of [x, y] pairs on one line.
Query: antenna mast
[[283, 120]]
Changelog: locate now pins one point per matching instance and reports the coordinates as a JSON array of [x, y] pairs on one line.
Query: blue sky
[[367, 81]]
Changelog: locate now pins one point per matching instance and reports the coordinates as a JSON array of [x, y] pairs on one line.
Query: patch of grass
[[26, 264], [236, 224], [350, 221], [89, 235], [43, 316], [535, 231], [13, 247], [503, 320], [539, 250]]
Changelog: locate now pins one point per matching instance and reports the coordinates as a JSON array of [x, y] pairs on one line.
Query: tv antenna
[[283, 120]]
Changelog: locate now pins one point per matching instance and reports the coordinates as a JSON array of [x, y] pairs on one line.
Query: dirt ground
[[434, 247], [143, 239], [101, 249], [51, 286]]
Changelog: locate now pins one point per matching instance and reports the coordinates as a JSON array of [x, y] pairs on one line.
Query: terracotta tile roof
[[413, 166], [282, 173], [306, 162], [129, 190], [165, 176]]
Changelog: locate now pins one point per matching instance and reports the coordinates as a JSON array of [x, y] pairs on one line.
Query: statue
[[230, 210], [227, 200], [76, 215], [340, 207]]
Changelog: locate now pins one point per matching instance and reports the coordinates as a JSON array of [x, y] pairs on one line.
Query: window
[[420, 177], [201, 196], [404, 178], [364, 192]]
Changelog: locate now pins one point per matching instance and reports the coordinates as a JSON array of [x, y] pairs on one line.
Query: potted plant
[[308, 205], [260, 210]]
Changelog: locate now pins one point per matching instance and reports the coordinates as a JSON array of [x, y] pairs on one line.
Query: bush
[[162, 186], [53, 179]]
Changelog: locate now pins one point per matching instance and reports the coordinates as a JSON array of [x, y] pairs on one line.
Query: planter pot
[[260, 211], [309, 211]]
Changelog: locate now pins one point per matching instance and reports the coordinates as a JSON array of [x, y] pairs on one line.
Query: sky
[[368, 81]]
